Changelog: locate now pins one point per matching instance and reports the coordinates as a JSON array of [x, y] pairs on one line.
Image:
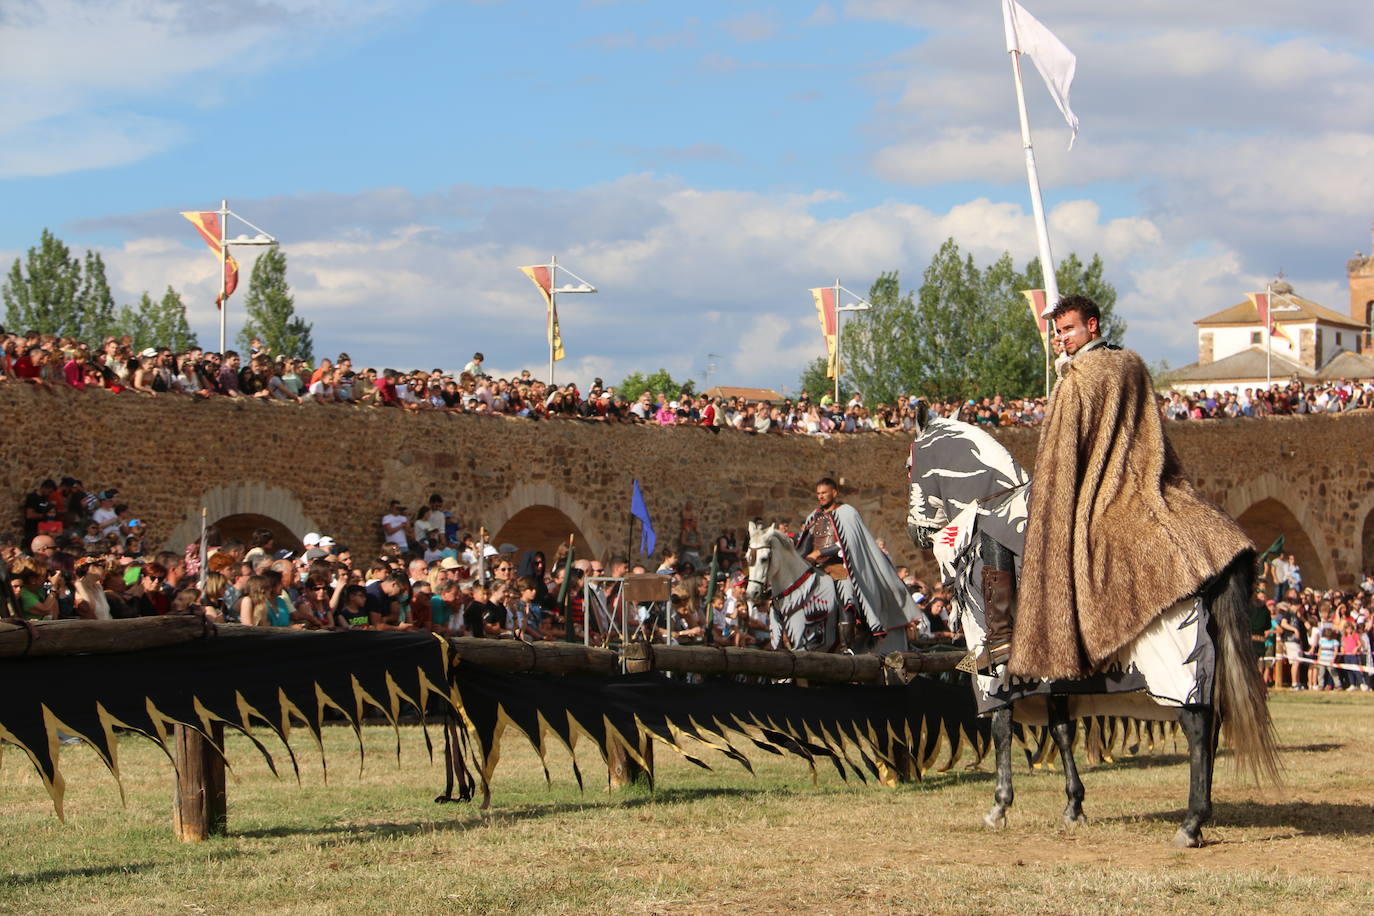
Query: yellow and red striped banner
[[542, 277], [1266, 315], [207, 224], [826, 309], [1036, 299]]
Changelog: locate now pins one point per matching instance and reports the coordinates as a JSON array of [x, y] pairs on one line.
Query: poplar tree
[[95, 302], [271, 311], [41, 293]]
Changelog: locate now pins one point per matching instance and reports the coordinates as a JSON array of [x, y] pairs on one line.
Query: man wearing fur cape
[[835, 538], [1116, 534]]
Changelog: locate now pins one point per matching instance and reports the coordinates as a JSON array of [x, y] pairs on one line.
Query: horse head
[[759, 560], [926, 513]]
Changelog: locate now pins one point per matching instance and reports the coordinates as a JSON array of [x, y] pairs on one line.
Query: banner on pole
[[1039, 314], [1263, 306], [207, 224], [1055, 62], [647, 539], [826, 306], [542, 277]]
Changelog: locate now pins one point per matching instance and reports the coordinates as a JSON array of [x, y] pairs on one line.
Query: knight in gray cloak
[[835, 538]]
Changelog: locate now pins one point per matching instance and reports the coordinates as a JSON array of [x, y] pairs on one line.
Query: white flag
[[1055, 62]]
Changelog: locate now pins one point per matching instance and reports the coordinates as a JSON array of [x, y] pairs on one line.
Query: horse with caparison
[[805, 602], [1193, 665]]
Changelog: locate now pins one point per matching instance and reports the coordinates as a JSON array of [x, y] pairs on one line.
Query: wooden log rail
[[570, 658]]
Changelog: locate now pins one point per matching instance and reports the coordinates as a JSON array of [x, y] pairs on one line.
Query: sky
[[703, 165]]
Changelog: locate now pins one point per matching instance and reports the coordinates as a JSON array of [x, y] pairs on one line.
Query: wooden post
[[199, 810], [624, 769]]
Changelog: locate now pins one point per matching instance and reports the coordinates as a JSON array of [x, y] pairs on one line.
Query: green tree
[[656, 383], [967, 332], [878, 347], [156, 323], [41, 294], [95, 302], [271, 311], [817, 384]]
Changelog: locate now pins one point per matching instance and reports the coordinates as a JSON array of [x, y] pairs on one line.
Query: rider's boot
[[999, 601], [844, 630]]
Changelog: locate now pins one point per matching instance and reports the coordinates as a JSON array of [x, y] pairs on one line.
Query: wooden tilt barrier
[[199, 809]]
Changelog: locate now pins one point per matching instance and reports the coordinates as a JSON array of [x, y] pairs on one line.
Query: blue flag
[[647, 540]]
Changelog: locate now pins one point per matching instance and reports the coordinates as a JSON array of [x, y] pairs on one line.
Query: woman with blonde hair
[[212, 601], [256, 602]]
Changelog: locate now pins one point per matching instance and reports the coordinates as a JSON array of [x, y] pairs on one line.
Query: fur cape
[[1116, 533]]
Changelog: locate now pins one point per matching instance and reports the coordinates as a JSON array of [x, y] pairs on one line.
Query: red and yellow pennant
[[1036, 299], [207, 224], [1266, 316], [542, 277], [826, 308]]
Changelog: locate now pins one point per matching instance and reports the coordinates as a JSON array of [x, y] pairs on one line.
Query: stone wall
[[333, 469]]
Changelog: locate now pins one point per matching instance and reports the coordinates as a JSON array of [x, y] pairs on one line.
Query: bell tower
[[1360, 270]]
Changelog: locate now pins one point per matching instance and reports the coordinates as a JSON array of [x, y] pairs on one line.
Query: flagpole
[[837, 341], [1042, 232], [1268, 338], [553, 310], [223, 258]]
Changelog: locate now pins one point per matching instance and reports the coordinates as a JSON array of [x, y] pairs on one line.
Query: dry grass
[[704, 842]]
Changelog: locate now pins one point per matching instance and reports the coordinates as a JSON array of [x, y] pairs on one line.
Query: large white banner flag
[[1055, 62]]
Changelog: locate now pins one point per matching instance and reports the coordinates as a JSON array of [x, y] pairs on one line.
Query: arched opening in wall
[[243, 525], [1269, 518], [541, 528]]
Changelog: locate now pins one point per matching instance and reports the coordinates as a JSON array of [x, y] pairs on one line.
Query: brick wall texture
[[332, 469]]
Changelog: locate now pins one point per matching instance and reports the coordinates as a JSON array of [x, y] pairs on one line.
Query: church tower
[[1360, 270]]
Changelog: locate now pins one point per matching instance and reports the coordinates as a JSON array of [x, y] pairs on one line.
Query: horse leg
[[1001, 744], [1062, 728], [1197, 722]]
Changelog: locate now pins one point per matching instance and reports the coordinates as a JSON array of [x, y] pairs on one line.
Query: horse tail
[[1241, 702]]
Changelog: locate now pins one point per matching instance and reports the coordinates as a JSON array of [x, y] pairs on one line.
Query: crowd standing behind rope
[[113, 365]]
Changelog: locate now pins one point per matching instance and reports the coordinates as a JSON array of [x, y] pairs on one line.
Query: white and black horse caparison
[[1194, 666]]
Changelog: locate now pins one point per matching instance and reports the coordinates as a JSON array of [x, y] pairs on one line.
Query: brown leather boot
[[999, 600]]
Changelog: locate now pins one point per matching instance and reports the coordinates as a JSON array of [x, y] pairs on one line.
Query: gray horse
[[969, 501]]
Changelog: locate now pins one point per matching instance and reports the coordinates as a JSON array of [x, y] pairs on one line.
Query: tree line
[[51, 291], [966, 332]]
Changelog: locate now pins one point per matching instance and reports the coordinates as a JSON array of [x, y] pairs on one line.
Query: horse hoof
[[995, 819], [1185, 840], [1073, 821]]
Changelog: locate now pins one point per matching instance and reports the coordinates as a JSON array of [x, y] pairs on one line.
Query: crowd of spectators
[[1313, 639], [82, 555], [114, 365]]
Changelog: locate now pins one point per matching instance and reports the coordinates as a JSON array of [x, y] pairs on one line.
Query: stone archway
[[543, 515], [1266, 507], [252, 504], [542, 528]]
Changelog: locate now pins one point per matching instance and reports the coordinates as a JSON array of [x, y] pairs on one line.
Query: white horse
[[805, 602]]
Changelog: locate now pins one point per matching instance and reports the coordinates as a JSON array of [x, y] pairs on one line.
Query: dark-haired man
[[1107, 487]]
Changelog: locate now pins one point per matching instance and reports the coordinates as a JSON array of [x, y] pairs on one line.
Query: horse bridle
[[763, 583]]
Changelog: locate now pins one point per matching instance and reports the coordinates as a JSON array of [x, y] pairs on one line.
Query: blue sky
[[701, 164]]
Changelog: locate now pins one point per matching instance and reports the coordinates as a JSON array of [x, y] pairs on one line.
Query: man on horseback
[[1116, 534], [835, 538]]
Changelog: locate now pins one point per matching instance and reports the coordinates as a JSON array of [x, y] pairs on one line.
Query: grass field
[[705, 842]]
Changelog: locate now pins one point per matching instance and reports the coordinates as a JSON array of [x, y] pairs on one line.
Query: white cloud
[[682, 271], [78, 142]]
